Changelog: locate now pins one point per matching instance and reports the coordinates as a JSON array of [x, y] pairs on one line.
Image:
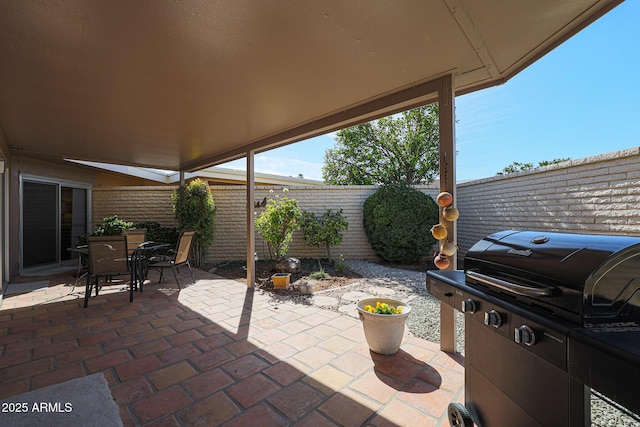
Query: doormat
[[84, 401], [20, 288]]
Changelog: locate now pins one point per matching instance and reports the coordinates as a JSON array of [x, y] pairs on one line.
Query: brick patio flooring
[[216, 353]]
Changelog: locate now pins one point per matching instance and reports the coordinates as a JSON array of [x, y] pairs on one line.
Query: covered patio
[[217, 353], [183, 86]]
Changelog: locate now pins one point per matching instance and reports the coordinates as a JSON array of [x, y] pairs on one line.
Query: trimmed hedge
[[397, 220]]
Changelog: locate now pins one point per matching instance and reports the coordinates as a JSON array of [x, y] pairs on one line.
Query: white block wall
[[137, 204], [599, 195]]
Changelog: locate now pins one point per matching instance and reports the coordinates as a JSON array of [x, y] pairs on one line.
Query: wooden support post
[[251, 230], [446, 122]]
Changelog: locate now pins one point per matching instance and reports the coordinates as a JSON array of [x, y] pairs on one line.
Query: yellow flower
[[382, 308]]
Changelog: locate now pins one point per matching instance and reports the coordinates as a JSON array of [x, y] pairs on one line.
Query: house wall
[[598, 194], [23, 165]]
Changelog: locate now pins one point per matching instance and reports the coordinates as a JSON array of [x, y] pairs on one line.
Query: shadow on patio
[[216, 353]]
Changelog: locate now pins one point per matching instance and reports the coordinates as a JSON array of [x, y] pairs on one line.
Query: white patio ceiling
[[182, 85]]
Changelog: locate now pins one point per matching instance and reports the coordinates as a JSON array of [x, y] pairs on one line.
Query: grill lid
[[588, 279]]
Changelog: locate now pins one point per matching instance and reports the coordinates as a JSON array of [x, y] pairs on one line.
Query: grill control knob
[[469, 306], [525, 335], [492, 318]]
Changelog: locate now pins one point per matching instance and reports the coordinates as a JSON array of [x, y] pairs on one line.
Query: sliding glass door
[[53, 215]]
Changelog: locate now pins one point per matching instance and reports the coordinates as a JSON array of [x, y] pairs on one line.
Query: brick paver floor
[[216, 353]]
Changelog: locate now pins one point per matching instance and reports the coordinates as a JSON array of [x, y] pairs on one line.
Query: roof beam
[[420, 94], [473, 36]]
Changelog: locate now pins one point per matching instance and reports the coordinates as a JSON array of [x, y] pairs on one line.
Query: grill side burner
[[547, 316]]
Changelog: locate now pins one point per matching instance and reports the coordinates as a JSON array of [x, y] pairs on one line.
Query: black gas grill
[[548, 316]]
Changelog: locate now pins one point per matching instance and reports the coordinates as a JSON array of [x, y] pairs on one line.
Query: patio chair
[[178, 258], [135, 238], [107, 258]]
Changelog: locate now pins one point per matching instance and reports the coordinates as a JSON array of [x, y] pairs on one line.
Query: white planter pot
[[383, 332]]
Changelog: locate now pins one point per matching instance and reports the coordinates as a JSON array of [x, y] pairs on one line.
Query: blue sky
[[580, 100]]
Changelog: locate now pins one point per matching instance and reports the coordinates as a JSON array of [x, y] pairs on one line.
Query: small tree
[[324, 230], [278, 222], [194, 210], [520, 167], [397, 149]]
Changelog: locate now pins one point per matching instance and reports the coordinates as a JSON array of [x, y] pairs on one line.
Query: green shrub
[[158, 233], [325, 230], [341, 265], [194, 209], [397, 220], [112, 226], [278, 222], [320, 274]]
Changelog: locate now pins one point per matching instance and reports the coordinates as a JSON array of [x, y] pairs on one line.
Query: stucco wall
[[599, 194]]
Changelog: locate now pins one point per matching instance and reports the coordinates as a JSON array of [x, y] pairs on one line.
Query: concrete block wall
[[133, 204], [597, 195], [138, 204], [230, 241]]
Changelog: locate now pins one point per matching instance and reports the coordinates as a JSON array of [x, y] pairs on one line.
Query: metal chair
[[107, 258], [135, 238], [175, 260]]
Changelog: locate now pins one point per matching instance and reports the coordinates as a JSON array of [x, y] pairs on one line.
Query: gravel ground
[[424, 321], [410, 287]]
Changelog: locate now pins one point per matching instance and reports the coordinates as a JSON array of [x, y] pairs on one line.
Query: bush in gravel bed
[[397, 219], [325, 229]]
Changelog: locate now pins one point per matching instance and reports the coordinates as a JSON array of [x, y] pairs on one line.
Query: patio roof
[[215, 175], [186, 85]]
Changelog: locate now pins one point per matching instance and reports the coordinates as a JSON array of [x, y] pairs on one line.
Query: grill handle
[[514, 288]]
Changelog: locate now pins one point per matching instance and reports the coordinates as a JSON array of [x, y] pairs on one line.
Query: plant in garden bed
[[318, 275], [194, 209], [278, 222], [323, 230], [341, 265], [397, 219]]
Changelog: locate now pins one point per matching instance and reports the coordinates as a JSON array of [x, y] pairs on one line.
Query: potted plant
[[383, 320]]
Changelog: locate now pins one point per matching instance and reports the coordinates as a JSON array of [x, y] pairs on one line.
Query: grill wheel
[[459, 416]]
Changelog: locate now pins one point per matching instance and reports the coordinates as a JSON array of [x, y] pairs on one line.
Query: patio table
[[139, 262]]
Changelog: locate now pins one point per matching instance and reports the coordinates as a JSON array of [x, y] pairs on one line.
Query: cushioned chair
[[107, 258], [178, 257]]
